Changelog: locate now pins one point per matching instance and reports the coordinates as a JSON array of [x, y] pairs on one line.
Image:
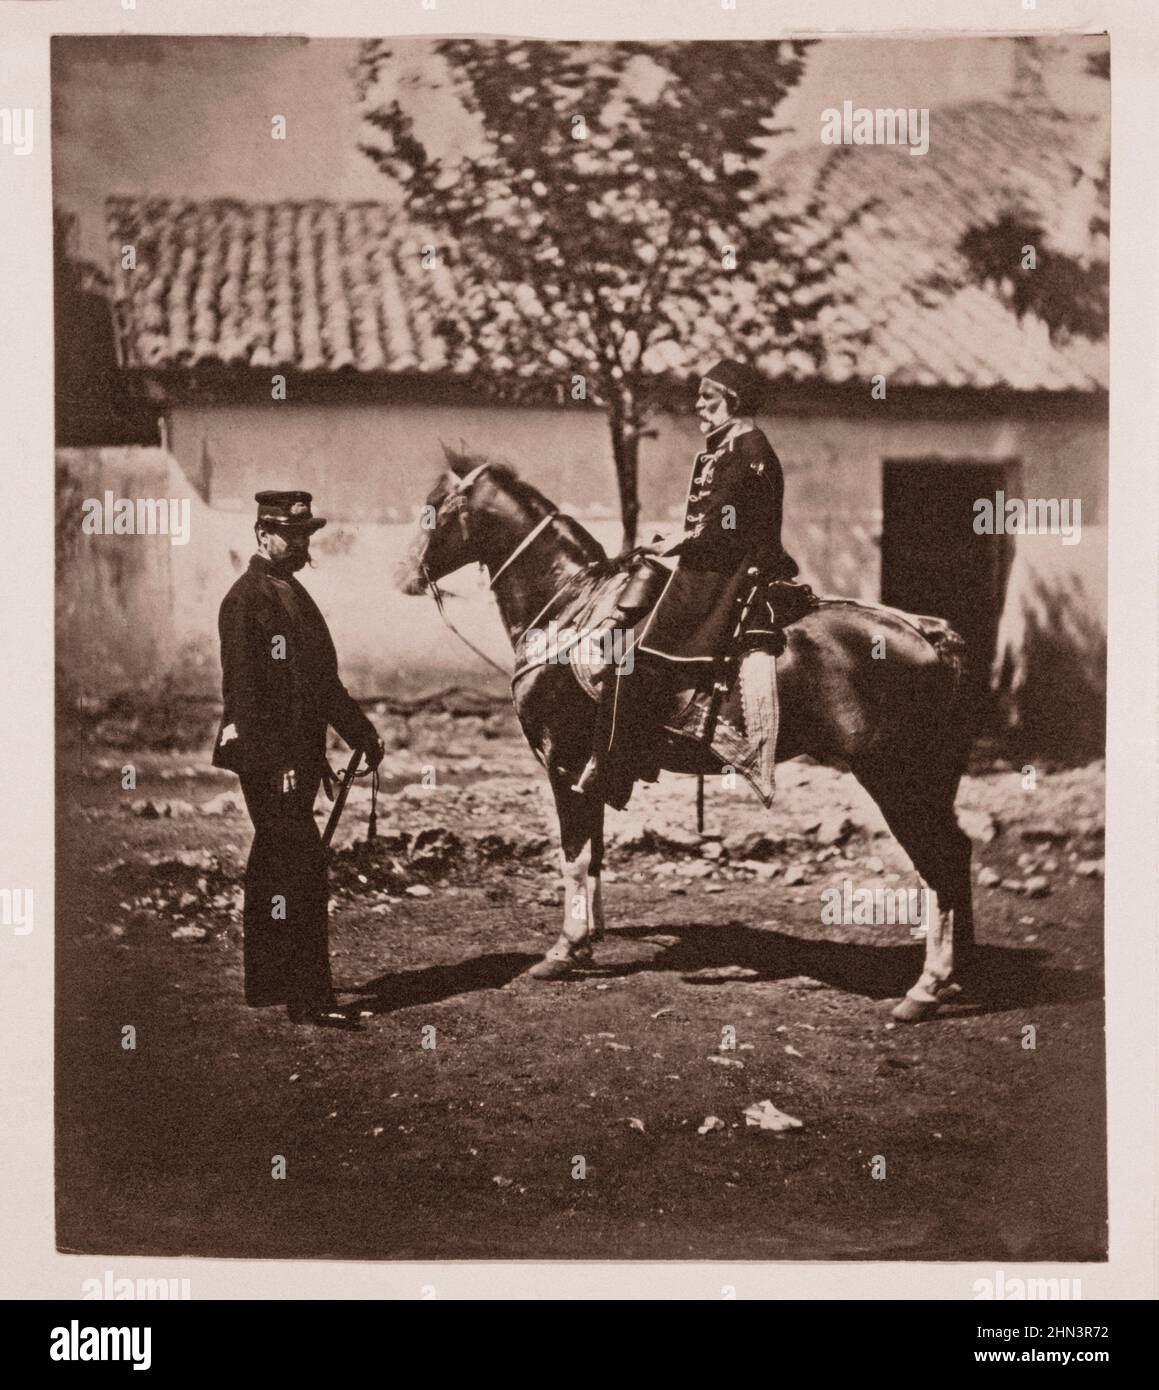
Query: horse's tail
[[950, 647]]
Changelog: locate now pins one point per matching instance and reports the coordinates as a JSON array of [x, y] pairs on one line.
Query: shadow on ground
[[387, 993], [1000, 977]]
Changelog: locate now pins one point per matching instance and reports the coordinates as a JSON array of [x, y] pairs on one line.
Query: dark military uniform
[[280, 689], [732, 522]]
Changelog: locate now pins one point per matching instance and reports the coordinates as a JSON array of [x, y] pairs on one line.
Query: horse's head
[[481, 512], [453, 522]]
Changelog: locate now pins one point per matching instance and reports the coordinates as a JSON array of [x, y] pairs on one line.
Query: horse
[[893, 713]]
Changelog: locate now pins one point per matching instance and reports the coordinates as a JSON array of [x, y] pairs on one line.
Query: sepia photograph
[[581, 627]]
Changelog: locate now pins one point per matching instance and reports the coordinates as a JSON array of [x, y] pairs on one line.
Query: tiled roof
[[308, 286], [322, 286], [984, 160]]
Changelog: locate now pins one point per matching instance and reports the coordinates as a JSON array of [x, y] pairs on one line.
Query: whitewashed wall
[[134, 613]]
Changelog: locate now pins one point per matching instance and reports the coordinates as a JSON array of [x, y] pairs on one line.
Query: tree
[[608, 230], [1068, 284], [93, 405]]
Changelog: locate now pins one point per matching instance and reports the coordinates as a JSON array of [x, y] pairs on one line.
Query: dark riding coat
[[277, 705], [280, 689], [732, 523]]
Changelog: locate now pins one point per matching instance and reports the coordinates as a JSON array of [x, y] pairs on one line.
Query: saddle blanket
[[744, 730], [746, 718]]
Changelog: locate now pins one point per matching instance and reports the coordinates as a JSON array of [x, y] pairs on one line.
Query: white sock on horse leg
[[576, 902]]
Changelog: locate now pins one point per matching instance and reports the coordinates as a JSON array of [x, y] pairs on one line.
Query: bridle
[[456, 501]]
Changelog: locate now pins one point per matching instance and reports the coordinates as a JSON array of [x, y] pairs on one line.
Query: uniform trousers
[[287, 946]]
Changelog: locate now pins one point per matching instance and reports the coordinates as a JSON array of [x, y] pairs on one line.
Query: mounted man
[[732, 528]]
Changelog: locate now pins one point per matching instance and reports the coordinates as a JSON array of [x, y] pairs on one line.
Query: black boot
[[611, 771], [325, 1015]]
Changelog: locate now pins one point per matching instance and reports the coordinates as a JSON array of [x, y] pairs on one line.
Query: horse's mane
[[461, 461]]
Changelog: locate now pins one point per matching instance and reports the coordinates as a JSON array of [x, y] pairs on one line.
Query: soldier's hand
[[375, 753]]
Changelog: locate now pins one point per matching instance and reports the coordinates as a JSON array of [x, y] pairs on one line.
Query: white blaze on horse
[[897, 721]]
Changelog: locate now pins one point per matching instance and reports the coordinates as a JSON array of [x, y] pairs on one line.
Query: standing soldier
[[280, 690], [732, 524]]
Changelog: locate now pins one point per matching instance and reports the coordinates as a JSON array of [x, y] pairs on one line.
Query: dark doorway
[[933, 561]]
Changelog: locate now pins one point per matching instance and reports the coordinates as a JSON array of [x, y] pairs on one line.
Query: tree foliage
[[1068, 287], [93, 405], [610, 222]]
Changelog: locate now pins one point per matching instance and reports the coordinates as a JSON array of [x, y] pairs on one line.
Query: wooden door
[[932, 559]]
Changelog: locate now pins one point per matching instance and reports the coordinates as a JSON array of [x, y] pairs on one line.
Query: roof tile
[[317, 286]]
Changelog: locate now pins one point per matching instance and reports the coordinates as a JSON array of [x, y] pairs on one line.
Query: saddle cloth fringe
[[743, 737], [746, 726], [758, 689]]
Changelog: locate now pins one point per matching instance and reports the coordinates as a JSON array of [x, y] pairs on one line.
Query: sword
[[345, 782]]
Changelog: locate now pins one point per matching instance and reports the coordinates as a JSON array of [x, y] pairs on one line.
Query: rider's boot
[[621, 733], [605, 775]]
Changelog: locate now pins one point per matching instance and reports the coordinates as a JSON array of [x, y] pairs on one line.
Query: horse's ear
[[458, 460]]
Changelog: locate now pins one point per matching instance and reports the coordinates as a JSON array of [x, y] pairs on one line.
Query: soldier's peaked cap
[[744, 383], [287, 511]]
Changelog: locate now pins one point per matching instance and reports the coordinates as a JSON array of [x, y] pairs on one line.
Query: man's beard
[[291, 563]]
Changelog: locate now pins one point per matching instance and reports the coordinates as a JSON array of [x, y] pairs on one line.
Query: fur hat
[[743, 383]]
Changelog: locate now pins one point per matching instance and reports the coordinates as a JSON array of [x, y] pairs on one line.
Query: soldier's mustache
[[294, 560]]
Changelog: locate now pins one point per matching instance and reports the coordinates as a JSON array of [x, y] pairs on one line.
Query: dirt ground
[[953, 1139]]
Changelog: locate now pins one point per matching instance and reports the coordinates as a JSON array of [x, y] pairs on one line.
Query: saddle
[[729, 705], [777, 604]]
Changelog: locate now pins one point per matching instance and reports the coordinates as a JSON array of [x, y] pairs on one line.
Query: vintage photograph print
[[581, 648]]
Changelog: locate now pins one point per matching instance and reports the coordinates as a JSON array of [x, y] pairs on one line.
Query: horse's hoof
[[548, 969], [914, 1010]]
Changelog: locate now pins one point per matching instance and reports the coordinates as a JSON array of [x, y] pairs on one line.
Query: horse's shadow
[[387, 993], [999, 977]]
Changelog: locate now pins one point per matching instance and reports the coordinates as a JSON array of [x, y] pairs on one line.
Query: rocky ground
[[720, 1004]]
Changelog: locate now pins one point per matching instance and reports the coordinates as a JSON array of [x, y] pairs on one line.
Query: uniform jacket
[[732, 522], [276, 709]]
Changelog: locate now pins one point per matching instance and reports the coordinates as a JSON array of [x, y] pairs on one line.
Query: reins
[[527, 541], [437, 595], [523, 545]]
